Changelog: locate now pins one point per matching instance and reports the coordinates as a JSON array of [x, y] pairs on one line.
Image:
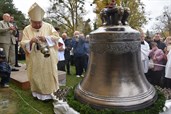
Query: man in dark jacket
[[17, 39], [68, 47]]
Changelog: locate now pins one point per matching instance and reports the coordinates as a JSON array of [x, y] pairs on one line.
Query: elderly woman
[[156, 55]]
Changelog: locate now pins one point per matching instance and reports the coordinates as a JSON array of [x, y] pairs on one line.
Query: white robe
[[41, 71], [145, 49], [168, 66], [60, 55]]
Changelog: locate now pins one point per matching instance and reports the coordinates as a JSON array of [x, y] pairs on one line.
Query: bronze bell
[[115, 78]]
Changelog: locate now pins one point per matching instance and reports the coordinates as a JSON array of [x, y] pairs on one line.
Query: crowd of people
[[155, 57], [46, 53], [76, 46], [9, 35]]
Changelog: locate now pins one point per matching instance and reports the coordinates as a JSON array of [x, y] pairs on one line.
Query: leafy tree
[[137, 17], [87, 27], [67, 14], [7, 6], [164, 24]]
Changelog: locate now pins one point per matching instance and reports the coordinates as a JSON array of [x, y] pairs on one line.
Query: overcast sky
[[153, 7], [24, 5]]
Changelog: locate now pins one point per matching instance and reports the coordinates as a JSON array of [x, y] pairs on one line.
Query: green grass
[[25, 104]]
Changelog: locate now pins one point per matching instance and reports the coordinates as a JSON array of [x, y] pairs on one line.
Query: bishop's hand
[[34, 40], [41, 38]]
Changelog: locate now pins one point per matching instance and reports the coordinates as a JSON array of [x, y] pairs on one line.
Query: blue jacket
[[78, 47], [87, 47], [5, 67]]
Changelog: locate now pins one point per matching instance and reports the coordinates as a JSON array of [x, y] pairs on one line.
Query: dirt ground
[[7, 101]]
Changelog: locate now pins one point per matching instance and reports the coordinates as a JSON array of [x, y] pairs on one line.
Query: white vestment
[[145, 49], [60, 55], [168, 66], [41, 71]]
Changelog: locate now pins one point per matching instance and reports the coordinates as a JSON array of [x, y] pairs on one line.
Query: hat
[[2, 54], [36, 13]]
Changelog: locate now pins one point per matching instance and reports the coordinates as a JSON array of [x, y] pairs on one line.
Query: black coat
[[68, 48]]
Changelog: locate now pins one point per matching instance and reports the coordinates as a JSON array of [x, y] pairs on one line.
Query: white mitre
[[36, 13]]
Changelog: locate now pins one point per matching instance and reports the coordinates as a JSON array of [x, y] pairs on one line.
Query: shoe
[[14, 69], [17, 66], [77, 76], [5, 86], [82, 75]]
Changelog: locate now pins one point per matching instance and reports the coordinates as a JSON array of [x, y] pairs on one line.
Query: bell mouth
[[129, 103]]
